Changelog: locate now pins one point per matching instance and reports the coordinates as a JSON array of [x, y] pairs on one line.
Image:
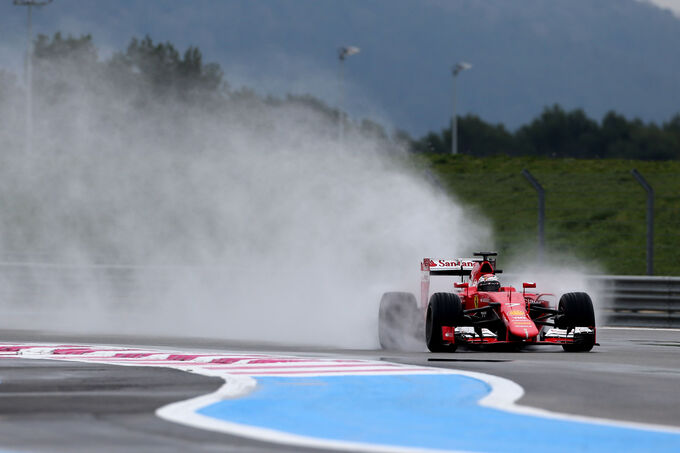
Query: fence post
[[541, 212], [650, 220]]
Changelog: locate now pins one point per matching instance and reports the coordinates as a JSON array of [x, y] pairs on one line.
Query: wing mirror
[[460, 285], [526, 285]]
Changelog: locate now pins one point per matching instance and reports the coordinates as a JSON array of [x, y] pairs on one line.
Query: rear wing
[[456, 266], [462, 267]]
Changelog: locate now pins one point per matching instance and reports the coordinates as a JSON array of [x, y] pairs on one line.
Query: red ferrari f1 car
[[482, 312]]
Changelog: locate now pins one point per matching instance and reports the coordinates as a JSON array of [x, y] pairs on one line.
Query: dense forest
[[158, 70], [559, 133]]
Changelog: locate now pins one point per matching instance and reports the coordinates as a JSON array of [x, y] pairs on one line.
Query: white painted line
[[647, 329]]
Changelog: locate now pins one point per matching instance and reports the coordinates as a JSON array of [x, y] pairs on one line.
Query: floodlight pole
[[343, 53], [29, 69], [541, 212], [457, 69], [650, 220]]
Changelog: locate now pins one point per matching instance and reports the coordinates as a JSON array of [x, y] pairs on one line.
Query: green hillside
[[595, 209]]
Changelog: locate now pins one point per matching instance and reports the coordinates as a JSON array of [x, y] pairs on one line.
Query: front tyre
[[444, 309], [576, 310]]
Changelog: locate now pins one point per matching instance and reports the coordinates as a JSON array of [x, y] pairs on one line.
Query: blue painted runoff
[[420, 411]]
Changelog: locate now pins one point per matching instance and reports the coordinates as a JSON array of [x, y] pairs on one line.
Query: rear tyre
[[576, 310], [444, 309], [398, 318]]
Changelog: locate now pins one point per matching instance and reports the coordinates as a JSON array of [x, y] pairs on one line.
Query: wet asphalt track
[[67, 406]]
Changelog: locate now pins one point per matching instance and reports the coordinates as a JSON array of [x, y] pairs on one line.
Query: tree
[[63, 66], [166, 73], [76, 51], [370, 128], [432, 143], [558, 133], [479, 138]]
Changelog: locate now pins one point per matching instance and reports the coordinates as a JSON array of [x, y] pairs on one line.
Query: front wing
[[554, 336]]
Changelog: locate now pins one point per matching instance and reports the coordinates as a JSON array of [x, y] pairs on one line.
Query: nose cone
[[523, 329], [517, 320], [520, 325]]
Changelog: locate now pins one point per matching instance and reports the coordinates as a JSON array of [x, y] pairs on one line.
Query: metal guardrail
[[638, 301]]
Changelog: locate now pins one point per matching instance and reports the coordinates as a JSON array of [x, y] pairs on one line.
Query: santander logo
[[450, 263]]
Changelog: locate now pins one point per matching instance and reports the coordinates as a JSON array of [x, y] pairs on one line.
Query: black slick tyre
[[398, 318], [576, 310], [444, 309]]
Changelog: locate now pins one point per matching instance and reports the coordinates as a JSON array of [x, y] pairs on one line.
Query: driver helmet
[[488, 283]]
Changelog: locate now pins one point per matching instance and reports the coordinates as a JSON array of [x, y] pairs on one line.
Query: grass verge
[[595, 209]]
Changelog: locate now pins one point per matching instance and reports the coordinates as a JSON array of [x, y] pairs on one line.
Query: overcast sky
[[673, 5], [259, 46]]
